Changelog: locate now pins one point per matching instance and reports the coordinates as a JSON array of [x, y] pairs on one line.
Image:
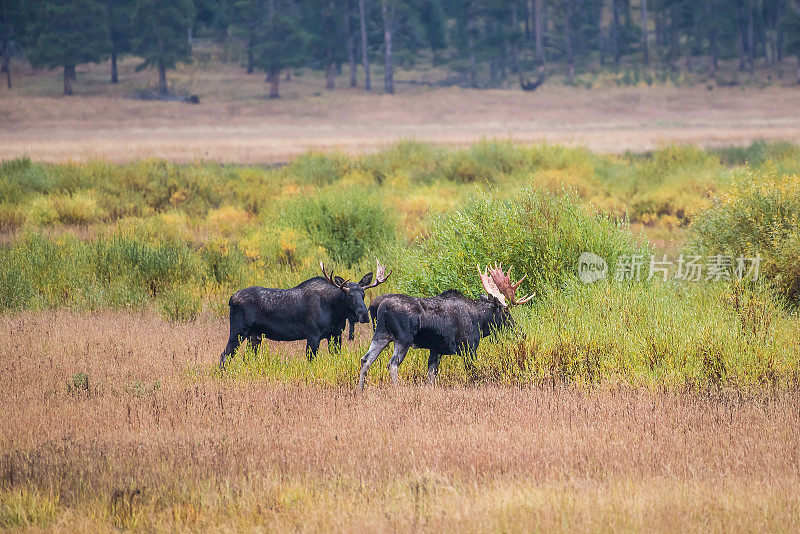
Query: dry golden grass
[[235, 123], [238, 454]]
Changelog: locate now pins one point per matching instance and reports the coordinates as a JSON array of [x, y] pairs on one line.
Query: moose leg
[[312, 346], [372, 354], [400, 350], [433, 366], [233, 343], [351, 334], [239, 330], [255, 342]]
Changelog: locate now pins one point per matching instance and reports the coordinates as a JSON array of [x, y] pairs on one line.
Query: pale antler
[[490, 287], [330, 278], [505, 286], [380, 275]]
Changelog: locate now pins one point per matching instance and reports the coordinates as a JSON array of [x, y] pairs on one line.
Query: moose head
[[501, 293], [355, 291]]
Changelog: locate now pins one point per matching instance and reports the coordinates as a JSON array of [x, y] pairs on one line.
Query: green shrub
[[347, 223], [224, 263], [78, 384], [760, 215], [180, 303], [318, 168], [421, 162], [539, 235], [19, 178], [485, 161], [12, 217]]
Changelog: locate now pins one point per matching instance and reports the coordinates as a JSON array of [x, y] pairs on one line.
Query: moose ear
[[366, 280], [338, 279]]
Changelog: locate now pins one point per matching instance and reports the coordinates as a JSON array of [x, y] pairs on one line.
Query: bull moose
[[313, 310], [448, 323]]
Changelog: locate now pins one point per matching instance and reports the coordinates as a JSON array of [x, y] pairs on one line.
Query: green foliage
[[78, 384], [347, 223], [317, 168], [160, 32], [760, 215], [27, 509], [61, 36], [485, 162], [180, 303], [539, 235], [282, 43]]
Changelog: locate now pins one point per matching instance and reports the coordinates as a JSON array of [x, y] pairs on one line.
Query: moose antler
[[330, 278], [490, 286], [502, 281], [380, 275]]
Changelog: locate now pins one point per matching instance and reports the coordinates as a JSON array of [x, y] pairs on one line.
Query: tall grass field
[[643, 400]]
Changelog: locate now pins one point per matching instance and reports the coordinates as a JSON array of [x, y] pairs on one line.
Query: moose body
[[314, 310], [449, 323]]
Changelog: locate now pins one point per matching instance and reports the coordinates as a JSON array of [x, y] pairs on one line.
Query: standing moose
[[448, 323], [313, 310]]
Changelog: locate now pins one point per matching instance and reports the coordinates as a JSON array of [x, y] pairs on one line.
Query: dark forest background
[[477, 43]]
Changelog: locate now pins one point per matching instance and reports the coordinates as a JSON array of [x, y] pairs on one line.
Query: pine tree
[[161, 35], [68, 33], [13, 21], [120, 26], [791, 28], [247, 18], [282, 43]]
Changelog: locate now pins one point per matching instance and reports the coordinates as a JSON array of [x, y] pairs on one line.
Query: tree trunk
[[162, 69], [69, 78], [330, 76], [330, 66], [674, 35], [750, 37], [712, 43], [528, 17], [615, 31], [364, 58], [114, 76], [6, 63], [251, 65], [781, 39], [514, 38], [274, 83], [568, 41], [645, 49], [740, 43], [162, 78], [538, 33], [351, 52], [388, 74], [601, 39], [473, 66]]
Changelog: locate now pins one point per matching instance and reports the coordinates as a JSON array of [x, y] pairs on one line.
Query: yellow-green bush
[[758, 216]]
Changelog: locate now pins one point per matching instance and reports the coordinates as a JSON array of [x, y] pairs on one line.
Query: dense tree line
[[481, 42]]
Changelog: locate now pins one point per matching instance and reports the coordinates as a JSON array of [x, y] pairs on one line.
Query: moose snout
[[363, 317]]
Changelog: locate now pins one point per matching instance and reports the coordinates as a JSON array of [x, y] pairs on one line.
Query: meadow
[[627, 404], [235, 124]]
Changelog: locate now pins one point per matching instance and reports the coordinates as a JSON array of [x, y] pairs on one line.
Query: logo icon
[[591, 268]]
